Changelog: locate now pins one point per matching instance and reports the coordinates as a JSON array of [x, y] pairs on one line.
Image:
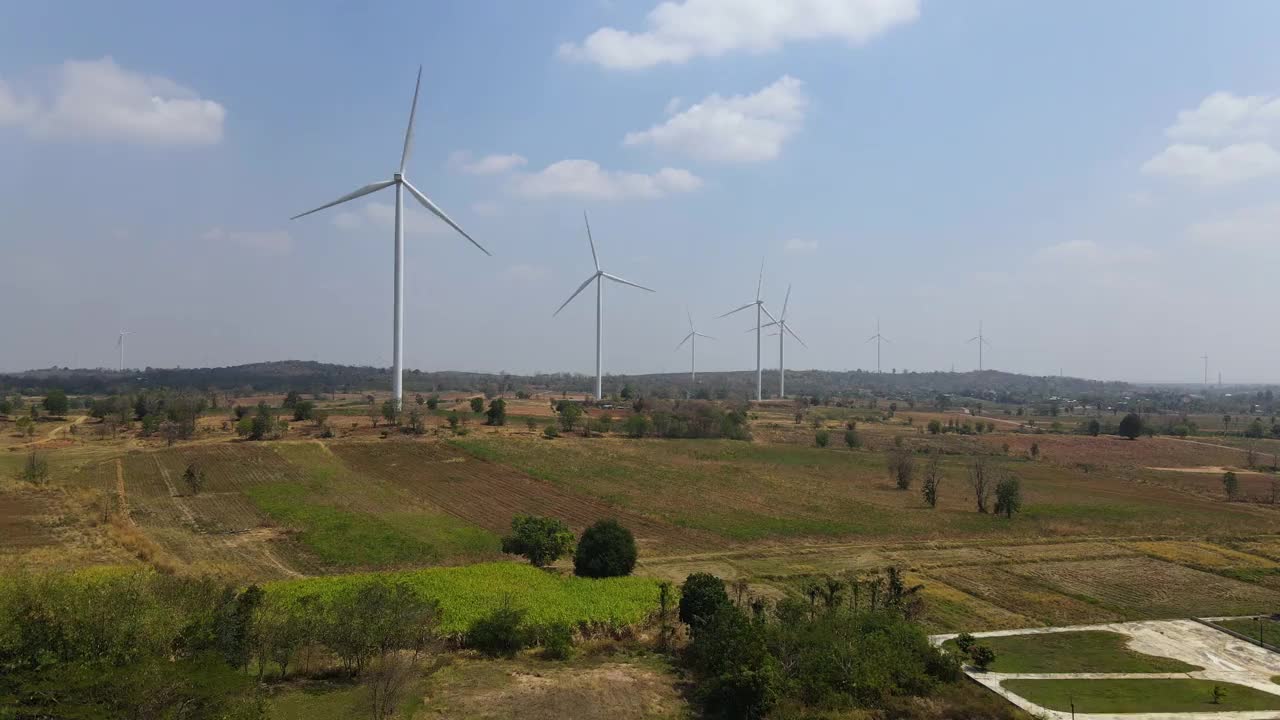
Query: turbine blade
[[615, 278], [375, 187], [682, 342], [709, 337], [873, 337], [408, 133], [971, 339], [767, 313], [686, 312], [744, 307], [426, 203], [793, 334], [886, 339], [785, 301], [594, 258], [760, 282], [581, 287]]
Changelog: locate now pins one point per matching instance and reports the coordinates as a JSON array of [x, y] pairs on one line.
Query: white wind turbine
[[120, 344], [981, 341], [598, 277], [692, 339], [879, 339], [401, 184], [759, 306], [783, 330]]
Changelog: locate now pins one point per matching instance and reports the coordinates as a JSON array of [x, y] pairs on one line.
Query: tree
[[935, 427], [25, 425], [291, 399], [701, 595], [851, 439], [981, 480], [606, 549], [416, 424], [550, 432], [570, 414], [1093, 427], [1035, 451], [35, 470], [822, 438], [194, 477], [982, 657], [373, 412], [391, 411], [902, 467], [454, 419], [932, 479], [303, 410], [1130, 426], [170, 431], [55, 402], [497, 414], [1008, 496], [433, 402], [1219, 694], [965, 642], [1255, 429], [477, 404], [636, 425], [1230, 485], [541, 540], [531, 424]]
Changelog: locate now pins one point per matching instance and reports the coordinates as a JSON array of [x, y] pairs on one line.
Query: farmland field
[[1153, 695], [1088, 651]]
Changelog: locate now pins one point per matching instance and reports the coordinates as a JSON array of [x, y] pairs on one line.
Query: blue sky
[[1097, 182]]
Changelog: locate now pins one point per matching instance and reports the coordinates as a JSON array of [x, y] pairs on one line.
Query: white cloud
[[1254, 227], [1210, 167], [585, 178], [375, 216], [1092, 253], [266, 242], [99, 100], [796, 245], [1226, 116], [493, 164], [741, 128], [680, 31]]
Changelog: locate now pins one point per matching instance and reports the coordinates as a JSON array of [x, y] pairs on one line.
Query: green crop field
[[1090, 651], [1254, 628], [1154, 695], [468, 593]]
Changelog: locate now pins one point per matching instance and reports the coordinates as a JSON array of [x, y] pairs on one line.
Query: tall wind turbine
[[598, 277], [879, 339], [759, 306], [981, 341], [401, 184], [692, 339], [783, 330], [1205, 358], [120, 344]]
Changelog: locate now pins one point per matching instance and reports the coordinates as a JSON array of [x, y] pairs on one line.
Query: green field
[[1154, 695], [1267, 629], [470, 592], [1090, 651]]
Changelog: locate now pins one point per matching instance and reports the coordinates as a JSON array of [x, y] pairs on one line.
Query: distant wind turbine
[[401, 184], [692, 339], [981, 341], [879, 339], [598, 277], [1206, 369], [759, 306], [783, 330], [120, 344]]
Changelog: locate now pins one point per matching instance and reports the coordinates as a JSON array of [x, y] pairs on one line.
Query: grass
[[1089, 651], [1154, 695], [470, 592], [1250, 627]]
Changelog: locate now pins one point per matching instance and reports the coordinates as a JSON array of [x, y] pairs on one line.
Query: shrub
[[852, 439], [1230, 485], [1130, 426], [901, 464], [542, 540], [500, 633], [822, 438], [550, 432], [982, 656], [701, 595], [531, 424], [606, 549], [636, 426], [965, 642], [497, 413], [557, 642], [1008, 496], [477, 404]]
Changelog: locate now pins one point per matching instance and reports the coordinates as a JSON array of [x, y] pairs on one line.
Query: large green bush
[[701, 595], [605, 549]]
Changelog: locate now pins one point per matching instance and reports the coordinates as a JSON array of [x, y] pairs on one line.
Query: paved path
[[1223, 657]]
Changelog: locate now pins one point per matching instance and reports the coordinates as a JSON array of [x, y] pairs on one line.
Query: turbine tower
[[1205, 358], [783, 330], [879, 339], [981, 341], [401, 184], [120, 344], [598, 277], [692, 339], [759, 306]]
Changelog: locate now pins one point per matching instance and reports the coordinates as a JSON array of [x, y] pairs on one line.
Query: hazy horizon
[[1095, 183]]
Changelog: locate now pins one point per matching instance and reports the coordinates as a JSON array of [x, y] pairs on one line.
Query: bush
[[701, 595], [1130, 426], [1008, 496], [636, 426], [497, 413], [551, 432], [852, 439], [902, 467], [477, 405], [982, 656], [965, 642], [822, 438], [557, 642], [541, 540], [501, 633], [606, 549]]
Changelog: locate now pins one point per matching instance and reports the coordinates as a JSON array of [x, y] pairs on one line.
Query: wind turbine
[[120, 344], [1205, 358], [783, 330], [692, 339], [401, 184], [759, 306], [598, 277], [981, 341], [879, 339]]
